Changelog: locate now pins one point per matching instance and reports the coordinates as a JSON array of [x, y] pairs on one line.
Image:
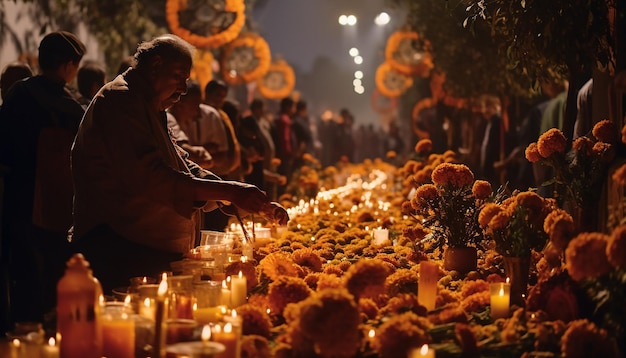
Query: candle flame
[[146, 302], [244, 259], [234, 313], [223, 309], [16, 343], [224, 284], [228, 279], [195, 306], [240, 274], [501, 292], [52, 342], [58, 336], [127, 300], [162, 286], [206, 333], [508, 280], [371, 333], [228, 328], [268, 311], [424, 350], [145, 280]]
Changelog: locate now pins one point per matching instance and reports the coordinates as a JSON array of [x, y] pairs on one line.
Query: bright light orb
[[359, 89], [354, 52], [352, 20], [358, 74], [343, 20], [382, 19], [357, 83], [358, 60]]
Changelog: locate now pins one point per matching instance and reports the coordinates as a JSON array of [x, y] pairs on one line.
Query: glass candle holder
[[207, 300], [118, 330]]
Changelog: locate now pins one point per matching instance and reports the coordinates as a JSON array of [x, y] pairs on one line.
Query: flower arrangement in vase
[[447, 211]]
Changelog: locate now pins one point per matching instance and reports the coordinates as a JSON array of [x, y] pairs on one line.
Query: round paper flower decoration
[[202, 70], [205, 23], [246, 59], [405, 57], [278, 82], [383, 104], [390, 82]]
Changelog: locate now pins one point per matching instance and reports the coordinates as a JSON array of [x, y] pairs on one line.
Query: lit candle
[[207, 315], [422, 352], [118, 335], [239, 290], [146, 309], [50, 350], [159, 320], [16, 348], [427, 284], [226, 335], [500, 299], [225, 295], [380, 236]]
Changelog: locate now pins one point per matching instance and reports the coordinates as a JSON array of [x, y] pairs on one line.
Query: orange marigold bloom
[[391, 154], [472, 287], [605, 151], [275, 162], [481, 189], [585, 256], [401, 281], [286, 290], [583, 145], [426, 192], [530, 200], [532, 153], [401, 333], [308, 258], [410, 167], [562, 231], [500, 220], [550, 142], [476, 302], [616, 248], [424, 146], [487, 213], [368, 307], [278, 264], [619, 176], [449, 155], [552, 217], [584, 339], [254, 320], [605, 131], [367, 278], [457, 175]]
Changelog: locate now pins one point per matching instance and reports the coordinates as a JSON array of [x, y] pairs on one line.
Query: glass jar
[[118, 330], [181, 296], [207, 296]]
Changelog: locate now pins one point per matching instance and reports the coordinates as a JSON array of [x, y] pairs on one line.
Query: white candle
[[50, 350], [159, 321], [380, 236], [422, 352], [427, 284], [239, 290], [500, 299], [226, 295]]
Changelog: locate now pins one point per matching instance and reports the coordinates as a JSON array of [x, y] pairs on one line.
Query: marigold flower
[[552, 217], [605, 131], [562, 231], [584, 339], [326, 281], [500, 220], [424, 146], [410, 167], [254, 320], [247, 269], [366, 278], [551, 141], [487, 213], [456, 175], [472, 287], [275, 162], [476, 302], [605, 151], [445, 296], [401, 333], [255, 346], [449, 155], [368, 307], [391, 154], [532, 153], [426, 192], [307, 258], [414, 233], [583, 145], [616, 248], [286, 290], [481, 189], [585, 256], [401, 281], [331, 320], [278, 264], [448, 314], [619, 176]]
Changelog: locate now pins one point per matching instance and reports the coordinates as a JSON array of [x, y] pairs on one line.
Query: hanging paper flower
[[246, 59], [202, 70], [205, 23], [404, 54], [390, 82], [383, 104], [278, 82]]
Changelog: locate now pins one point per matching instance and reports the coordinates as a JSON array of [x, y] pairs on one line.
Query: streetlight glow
[[354, 51], [351, 20], [359, 89], [357, 83], [382, 19], [358, 60], [343, 20], [358, 74]]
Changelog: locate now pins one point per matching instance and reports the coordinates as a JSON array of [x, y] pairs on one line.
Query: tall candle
[[427, 284], [380, 236], [239, 290], [118, 337], [500, 299], [226, 335], [225, 295], [159, 320]]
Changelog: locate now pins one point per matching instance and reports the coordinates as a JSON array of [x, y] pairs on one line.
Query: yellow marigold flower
[[551, 141], [616, 248], [278, 264], [311, 279], [401, 333], [532, 153], [331, 320], [410, 167], [448, 314], [500, 220], [583, 145], [562, 231], [434, 157], [457, 175], [404, 302], [258, 300], [605, 131], [366, 278], [530, 200], [487, 213], [605, 151], [552, 217], [619, 176], [445, 296], [584, 339], [368, 307], [481, 189], [326, 281], [472, 287], [585, 256], [424, 146], [449, 155], [286, 290], [476, 302], [307, 258], [426, 192], [401, 281], [254, 320], [307, 157]]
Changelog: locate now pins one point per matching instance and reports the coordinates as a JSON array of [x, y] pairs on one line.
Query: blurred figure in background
[[90, 78], [12, 73]]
